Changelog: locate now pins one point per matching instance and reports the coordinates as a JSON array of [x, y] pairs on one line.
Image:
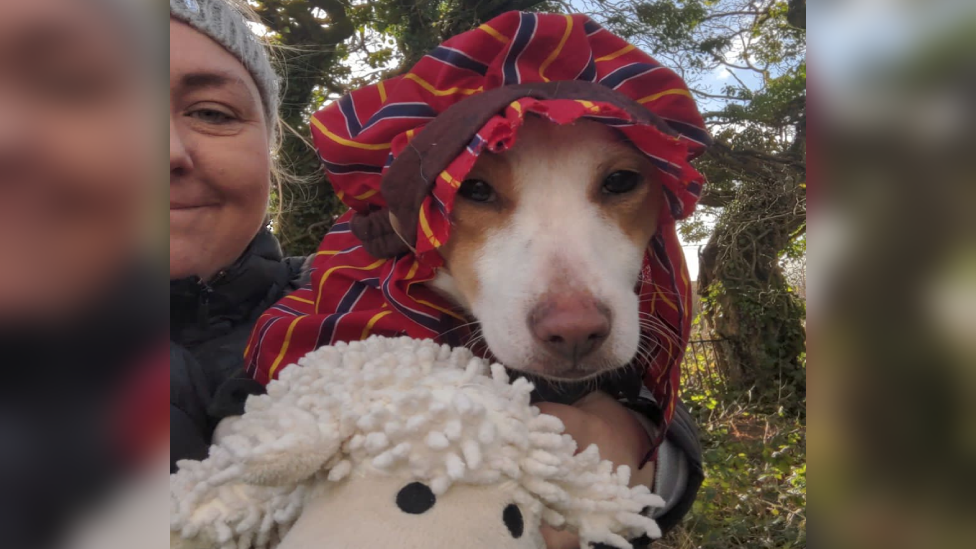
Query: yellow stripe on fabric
[[366, 194], [589, 106], [328, 252], [615, 54], [343, 141], [667, 301], [675, 91], [372, 322], [427, 231], [450, 180], [382, 89], [438, 308], [410, 133], [284, 348], [333, 269], [413, 269], [450, 91], [517, 106], [555, 53], [664, 371], [494, 34], [300, 299]]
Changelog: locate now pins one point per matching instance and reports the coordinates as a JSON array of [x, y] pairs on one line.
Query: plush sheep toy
[[400, 444]]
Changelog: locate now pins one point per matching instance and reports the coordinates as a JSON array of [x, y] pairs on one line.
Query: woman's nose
[[179, 157]]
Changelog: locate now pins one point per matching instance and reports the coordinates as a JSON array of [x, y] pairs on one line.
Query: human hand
[[599, 419]]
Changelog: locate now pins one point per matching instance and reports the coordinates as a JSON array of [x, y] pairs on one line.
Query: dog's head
[[547, 243]]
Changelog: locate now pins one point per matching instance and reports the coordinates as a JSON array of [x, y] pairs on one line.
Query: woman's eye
[[621, 182], [212, 116], [476, 190]]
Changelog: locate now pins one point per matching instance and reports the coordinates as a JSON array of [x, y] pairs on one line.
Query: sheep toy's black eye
[[476, 190], [512, 516], [621, 182], [415, 498]]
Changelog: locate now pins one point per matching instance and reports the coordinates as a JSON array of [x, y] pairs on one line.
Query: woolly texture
[[397, 408], [227, 26]]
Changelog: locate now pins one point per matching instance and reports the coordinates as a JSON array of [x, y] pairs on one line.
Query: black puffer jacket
[[210, 323]]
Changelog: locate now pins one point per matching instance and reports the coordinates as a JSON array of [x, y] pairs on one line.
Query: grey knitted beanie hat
[[227, 25]]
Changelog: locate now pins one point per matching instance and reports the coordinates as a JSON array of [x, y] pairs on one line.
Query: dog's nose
[[571, 327]]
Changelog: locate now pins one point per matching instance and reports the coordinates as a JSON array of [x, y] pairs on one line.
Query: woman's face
[[76, 166], [219, 156]]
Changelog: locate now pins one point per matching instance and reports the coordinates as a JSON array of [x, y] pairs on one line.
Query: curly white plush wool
[[397, 406]]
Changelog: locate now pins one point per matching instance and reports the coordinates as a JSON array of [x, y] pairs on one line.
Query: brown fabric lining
[[409, 179]]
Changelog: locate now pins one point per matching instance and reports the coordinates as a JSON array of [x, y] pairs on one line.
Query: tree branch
[[713, 96]]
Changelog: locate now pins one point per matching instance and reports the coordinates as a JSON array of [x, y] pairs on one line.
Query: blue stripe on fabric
[[440, 205], [589, 71], [475, 144], [417, 317], [334, 168], [257, 348], [660, 254], [673, 203], [527, 24], [591, 27], [348, 301], [402, 110], [458, 59], [664, 165], [348, 110], [288, 310], [689, 131], [627, 72]]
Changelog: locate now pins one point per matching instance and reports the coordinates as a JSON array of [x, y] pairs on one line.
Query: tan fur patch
[[473, 223], [637, 213]]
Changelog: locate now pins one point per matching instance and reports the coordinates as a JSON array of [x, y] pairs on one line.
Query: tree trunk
[[746, 298]]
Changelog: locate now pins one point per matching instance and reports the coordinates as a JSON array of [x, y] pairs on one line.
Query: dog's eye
[[476, 190], [621, 182]]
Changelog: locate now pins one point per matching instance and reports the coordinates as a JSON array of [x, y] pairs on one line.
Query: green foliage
[[754, 493]]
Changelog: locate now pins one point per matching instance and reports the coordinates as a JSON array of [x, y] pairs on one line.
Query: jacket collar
[[198, 307]]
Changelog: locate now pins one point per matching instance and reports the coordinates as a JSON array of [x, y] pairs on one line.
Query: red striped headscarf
[[360, 137]]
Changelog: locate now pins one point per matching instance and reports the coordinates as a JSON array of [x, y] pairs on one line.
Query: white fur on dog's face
[[551, 229]]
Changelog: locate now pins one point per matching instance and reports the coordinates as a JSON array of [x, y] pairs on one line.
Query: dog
[[546, 248]]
